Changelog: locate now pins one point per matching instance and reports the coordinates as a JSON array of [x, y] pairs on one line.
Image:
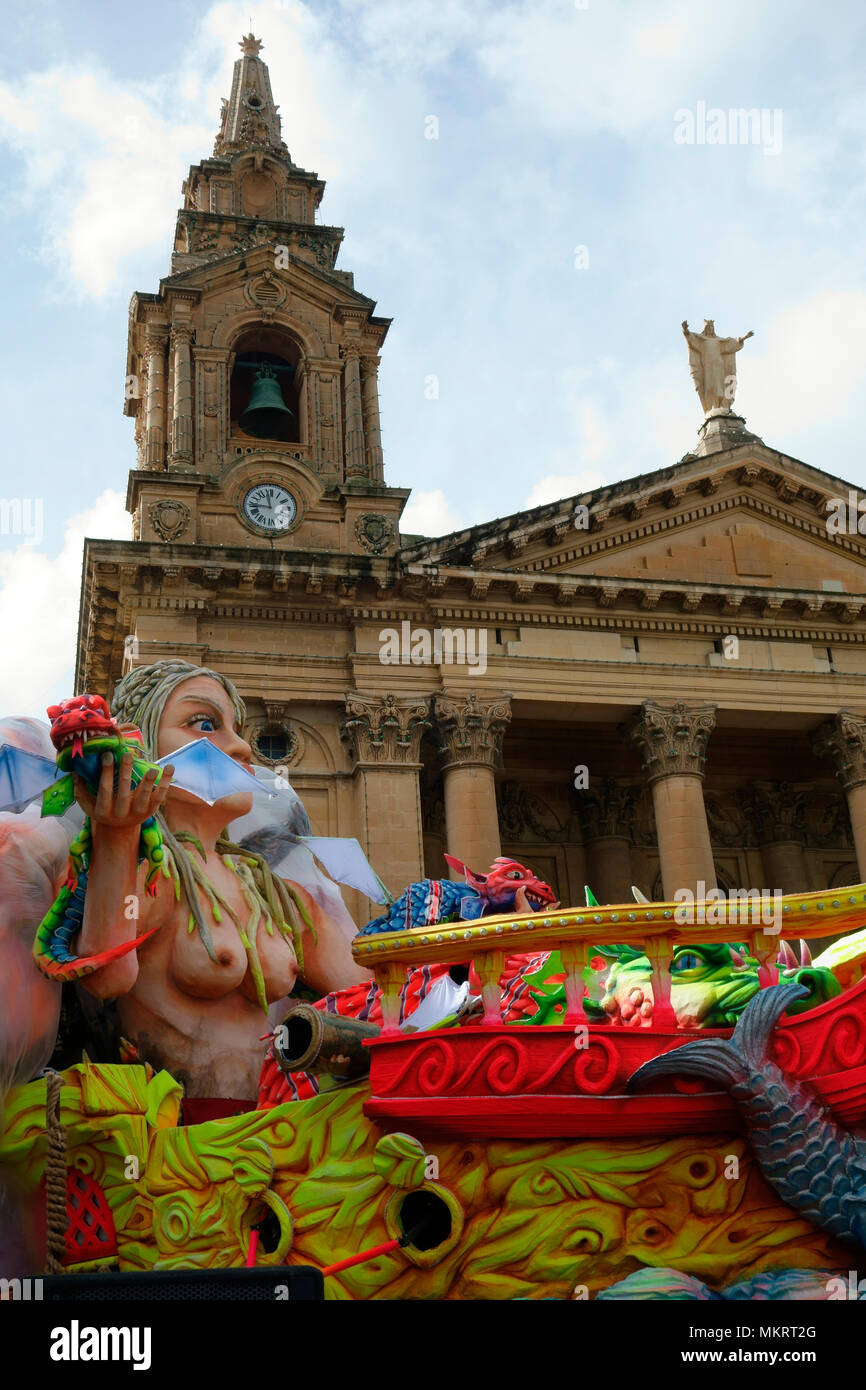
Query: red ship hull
[[527, 1082]]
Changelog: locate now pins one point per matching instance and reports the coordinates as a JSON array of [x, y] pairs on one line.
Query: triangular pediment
[[746, 516], [237, 267]]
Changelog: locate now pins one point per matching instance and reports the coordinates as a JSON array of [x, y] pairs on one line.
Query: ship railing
[[657, 928]]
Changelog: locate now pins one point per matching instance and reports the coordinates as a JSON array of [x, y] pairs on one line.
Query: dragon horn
[[786, 957], [638, 896], [805, 955], [737, 958], [591, 899]]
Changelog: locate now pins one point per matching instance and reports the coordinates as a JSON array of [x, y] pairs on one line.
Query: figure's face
[[200, 708]]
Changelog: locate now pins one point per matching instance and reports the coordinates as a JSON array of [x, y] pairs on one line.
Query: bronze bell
[[267, 414]]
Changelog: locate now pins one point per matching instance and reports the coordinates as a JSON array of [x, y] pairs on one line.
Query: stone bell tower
[[252, 371]]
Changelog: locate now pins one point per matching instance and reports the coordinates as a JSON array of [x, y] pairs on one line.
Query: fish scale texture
[[815, 1165]]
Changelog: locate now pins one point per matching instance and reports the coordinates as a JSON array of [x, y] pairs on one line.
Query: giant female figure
[[226, 934]]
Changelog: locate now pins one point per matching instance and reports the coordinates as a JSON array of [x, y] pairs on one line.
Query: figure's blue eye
[[207, 723], [686, 961]]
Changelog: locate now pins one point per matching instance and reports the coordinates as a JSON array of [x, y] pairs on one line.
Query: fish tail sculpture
[[815, 1165], [82, 730]]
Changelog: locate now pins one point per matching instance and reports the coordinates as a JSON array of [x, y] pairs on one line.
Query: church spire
[[249, 119]]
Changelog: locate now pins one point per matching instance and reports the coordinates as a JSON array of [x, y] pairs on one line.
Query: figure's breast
[[192, 968]]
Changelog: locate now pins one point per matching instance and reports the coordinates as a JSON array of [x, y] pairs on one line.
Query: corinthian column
[[154, 351], [356, 465], [181, 428], [843, 740], [372, 429], [672, 744], [471, 730], [384, 737]]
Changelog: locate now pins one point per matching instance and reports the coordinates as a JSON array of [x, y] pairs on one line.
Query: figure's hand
[[125, 808], [750, 334], [685, 325], [635, 1010]]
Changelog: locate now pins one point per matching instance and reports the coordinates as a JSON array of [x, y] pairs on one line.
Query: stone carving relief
[[169, 518], [608, 809], [523, 815], [374, 532]]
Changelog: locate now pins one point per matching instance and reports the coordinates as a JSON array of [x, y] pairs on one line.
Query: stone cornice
[[751, 464], [611, 591], [143, 567]]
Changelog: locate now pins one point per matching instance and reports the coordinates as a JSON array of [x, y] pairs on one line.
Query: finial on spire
[[250, 46]]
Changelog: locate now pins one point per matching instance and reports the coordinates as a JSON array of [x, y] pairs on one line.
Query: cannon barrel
[[309, 1040]]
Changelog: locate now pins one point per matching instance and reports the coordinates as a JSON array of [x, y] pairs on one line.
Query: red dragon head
[[503, 880], [74, 721]]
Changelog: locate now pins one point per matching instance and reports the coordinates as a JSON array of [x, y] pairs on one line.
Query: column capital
[[607, 810], [671, 740], [471, 728], [277, 711], [842, 740], [182, 333], [385, 729], [776, 812], [155, 338]]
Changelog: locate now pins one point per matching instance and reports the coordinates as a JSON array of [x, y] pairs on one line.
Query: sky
[[535, 192]]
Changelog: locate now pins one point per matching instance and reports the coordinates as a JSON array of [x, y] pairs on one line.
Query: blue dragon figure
[[435, 900]]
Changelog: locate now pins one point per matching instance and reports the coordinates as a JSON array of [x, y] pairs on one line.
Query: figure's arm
[[685, 328], [750, 334], [115, 819]]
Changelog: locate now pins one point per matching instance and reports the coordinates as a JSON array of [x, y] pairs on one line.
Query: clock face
[[270, 507]]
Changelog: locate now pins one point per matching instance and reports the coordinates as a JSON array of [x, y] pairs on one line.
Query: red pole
[[363, 1256]]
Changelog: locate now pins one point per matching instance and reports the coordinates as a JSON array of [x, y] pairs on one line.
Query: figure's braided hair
[[140, 699]]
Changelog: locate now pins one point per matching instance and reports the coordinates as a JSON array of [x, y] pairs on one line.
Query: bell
[[266, 415]]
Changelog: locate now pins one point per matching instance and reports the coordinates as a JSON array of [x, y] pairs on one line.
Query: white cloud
[[102, 163], [594, 434], [813, 361], [575, 69], [429, 514], [39, 597]]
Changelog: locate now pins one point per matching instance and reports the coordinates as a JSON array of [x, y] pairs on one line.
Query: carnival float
[[481, 1094]]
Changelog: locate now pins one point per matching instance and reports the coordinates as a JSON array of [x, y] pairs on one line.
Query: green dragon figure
[[82, 731]]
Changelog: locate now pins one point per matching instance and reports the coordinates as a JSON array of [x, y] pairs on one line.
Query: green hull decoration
[[557, 1219]]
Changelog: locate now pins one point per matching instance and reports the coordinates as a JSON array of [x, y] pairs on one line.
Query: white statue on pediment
[[712, 362]]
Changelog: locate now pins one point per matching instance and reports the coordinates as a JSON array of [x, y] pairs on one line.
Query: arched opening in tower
[[264, 395]]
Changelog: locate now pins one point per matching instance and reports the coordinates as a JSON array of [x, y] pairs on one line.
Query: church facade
[[658, 683]]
